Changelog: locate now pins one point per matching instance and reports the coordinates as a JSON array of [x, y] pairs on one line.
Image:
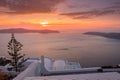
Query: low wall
[[32, 70], [74, 71]]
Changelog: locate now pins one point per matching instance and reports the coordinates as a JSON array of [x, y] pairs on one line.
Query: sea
[[71, 45]]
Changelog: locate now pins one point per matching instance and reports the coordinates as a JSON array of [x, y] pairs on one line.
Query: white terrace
[[49, 69]]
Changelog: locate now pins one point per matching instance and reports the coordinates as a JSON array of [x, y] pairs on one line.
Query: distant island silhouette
[[104, 34], [22, 30]]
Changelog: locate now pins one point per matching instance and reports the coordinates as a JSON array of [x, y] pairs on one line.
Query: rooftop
[[50, 69]]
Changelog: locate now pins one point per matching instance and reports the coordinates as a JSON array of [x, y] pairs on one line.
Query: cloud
[[113, 9], [115, 6], [29, 6], [81, 17], [79, 6], [117, 3], [89, 14]]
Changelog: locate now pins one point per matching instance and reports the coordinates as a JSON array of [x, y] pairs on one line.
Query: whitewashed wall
[[32, 70]]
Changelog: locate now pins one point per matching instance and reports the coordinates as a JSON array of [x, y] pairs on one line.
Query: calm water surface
[[72, 46]]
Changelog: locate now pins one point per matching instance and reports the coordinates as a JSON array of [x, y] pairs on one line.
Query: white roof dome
[[59, 64], [48, 63]]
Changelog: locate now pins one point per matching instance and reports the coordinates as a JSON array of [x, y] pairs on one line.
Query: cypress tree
[[17, 59]]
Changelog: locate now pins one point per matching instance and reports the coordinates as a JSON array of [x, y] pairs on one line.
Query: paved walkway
[[91, 76]]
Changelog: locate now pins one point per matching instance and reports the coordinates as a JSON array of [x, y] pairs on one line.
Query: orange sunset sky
[[59, 14]]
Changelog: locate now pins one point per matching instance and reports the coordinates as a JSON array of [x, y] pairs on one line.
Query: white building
[[49, 69]]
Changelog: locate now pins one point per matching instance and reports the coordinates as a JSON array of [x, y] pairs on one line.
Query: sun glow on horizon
[[44, 23]]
